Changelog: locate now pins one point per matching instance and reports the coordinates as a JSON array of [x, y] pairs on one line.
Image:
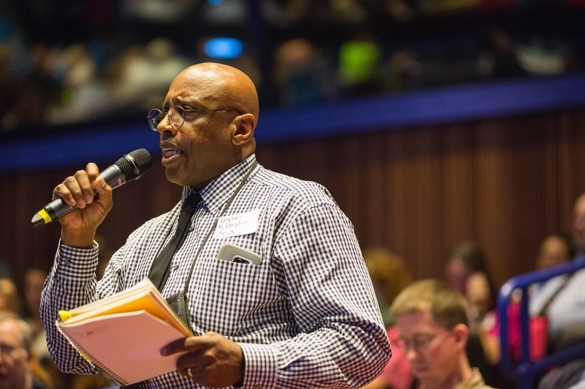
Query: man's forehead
[[416, 321], [188, 89], [9, 330]]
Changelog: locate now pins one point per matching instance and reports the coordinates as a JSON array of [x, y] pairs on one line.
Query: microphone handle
[[57, 208]]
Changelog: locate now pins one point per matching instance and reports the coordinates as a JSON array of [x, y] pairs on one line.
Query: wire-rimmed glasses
[[420, 342], [177, 118]]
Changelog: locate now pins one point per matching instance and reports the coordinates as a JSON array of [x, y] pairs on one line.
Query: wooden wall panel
[[504, 182], [459, 184]]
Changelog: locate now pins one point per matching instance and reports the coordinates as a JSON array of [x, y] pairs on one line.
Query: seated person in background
[[565, 313], [565, 295], [562, 298], [433, 325], [389, 276], [34, 279], [18, 368], [9, 299], [555, 249], [467, 272]]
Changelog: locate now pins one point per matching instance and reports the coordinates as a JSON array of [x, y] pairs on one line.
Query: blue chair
[[525, 370]]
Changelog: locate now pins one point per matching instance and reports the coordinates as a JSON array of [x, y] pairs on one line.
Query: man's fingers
[[85, 196], [190, 344]]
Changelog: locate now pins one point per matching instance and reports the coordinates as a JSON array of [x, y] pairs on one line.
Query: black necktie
[[159, 271]]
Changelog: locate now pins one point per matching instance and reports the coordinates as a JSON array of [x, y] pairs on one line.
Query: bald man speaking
[[269, 268]]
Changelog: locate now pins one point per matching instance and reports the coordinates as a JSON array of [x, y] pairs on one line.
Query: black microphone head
[[135, 164]]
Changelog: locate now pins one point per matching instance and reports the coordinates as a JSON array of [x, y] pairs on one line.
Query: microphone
[[128, 168]]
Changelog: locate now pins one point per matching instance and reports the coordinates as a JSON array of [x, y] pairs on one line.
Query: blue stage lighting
[[223, 48]]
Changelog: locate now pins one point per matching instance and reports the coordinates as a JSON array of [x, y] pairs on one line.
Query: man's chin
[[174, 177]]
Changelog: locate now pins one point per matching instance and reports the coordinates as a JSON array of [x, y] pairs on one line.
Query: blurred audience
[[389, 276], [555, 249], [562, 298], [466, 271], [578, 226], [145, 74], [322, 51], [360, 64], [499, 59], [34, 279], [403, 71], [9, 297], [83, 96], [19, 369], [302, 74]]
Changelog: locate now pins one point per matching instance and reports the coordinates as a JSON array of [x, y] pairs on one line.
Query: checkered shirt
[[305, 317]]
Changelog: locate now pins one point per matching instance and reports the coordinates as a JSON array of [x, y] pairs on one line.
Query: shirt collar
[[219, 190]]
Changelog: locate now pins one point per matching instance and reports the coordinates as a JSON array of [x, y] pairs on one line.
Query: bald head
[[219, 116], [225, 86]]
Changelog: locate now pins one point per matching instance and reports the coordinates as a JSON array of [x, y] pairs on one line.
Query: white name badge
[[234, 225]]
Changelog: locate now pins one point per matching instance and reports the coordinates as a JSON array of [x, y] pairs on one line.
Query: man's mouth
[[170, 153]]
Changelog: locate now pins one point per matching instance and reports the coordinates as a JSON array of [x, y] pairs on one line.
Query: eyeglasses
[[177, 118], [420, 342], [7, 350]]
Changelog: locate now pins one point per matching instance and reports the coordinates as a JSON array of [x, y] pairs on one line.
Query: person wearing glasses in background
[[16, 358], [433, 327], [300, 313]]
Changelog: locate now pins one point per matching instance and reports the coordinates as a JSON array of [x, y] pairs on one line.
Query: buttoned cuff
[[76, 264], [261, 366]]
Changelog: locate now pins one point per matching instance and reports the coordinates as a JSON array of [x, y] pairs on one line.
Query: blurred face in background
[[432, 351], [9, 300], [15, 360], [553, 251], [456, 273]]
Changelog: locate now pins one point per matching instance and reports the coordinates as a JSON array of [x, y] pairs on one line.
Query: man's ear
[[29, 358], [461, 333], [244, 129]]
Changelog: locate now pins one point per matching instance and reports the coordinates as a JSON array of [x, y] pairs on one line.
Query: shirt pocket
[[233, 298]]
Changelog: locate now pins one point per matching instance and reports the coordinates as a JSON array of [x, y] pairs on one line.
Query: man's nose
[[166, 125]]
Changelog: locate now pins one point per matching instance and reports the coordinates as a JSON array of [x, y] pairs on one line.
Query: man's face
[[14, 359], [430, 349], [201, 148]]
